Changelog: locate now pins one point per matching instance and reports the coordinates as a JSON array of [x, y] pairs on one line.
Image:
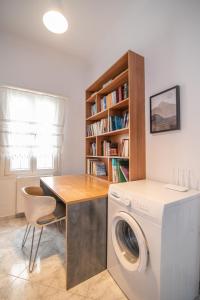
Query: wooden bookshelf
[[129, 69]]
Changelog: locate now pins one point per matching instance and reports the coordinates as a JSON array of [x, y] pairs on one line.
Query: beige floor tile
[[11, 223], [48, 279], [103, 287], [5, 285], [49, 271], [12, 261], [22, 289]]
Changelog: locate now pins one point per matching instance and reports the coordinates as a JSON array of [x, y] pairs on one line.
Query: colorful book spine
[[93, 109], [125, 148], [120, 170], [93, 149], [96, 167], [125, 91], [97, 128], [120, 93]]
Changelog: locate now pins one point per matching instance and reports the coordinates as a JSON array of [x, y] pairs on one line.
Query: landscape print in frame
[[165, 110]]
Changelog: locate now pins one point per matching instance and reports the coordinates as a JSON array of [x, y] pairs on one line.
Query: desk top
[[77, 188]]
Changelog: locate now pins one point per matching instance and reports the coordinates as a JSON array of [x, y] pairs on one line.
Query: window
[[31, 131]]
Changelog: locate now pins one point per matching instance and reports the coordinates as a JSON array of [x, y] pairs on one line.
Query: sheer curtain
[[31, 131]]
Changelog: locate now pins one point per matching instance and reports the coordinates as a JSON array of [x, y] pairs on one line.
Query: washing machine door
[[129, 243]]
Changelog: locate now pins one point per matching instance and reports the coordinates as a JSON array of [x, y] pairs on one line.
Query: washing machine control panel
[[139, 205], [125, 201]]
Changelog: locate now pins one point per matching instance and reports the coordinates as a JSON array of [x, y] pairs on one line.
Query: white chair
[[40, 211]]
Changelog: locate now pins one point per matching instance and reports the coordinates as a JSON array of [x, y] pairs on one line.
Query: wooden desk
[[85, 198]]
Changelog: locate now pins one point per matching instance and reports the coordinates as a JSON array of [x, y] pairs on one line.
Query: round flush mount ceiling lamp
[[55, 22]]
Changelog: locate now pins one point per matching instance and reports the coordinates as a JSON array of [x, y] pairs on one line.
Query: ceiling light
[[55, 21]]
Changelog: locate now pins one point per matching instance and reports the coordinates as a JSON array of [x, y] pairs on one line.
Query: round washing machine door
[[129, 243]]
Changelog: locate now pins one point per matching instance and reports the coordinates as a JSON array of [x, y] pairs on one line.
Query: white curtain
[[31, 129]]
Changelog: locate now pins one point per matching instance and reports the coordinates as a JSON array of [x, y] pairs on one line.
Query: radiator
[[22, 182]]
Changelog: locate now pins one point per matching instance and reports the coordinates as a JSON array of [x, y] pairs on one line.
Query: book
[[125, 172], [120, 170], [125, 148], [97, 128], [109, 100], [120, 93], [114, 97], [103, 103], [109, 148], [96, 167], [93, 148], [125, 90], [119, 121], [124, 168], [93, 109]]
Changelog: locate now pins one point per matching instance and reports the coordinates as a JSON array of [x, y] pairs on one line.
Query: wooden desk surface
[[76, 188]]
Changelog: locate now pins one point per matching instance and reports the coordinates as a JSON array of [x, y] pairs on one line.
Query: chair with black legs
[[40, 211]]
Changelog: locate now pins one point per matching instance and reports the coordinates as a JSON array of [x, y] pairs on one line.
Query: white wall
[[31, 66], [168, 36]]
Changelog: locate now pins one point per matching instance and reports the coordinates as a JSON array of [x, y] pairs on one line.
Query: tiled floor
[[48, 279]]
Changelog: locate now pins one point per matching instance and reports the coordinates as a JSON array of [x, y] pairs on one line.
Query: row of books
[[120, 170], [96, 167], [119, 122], [93, 149], [116, 96], [97, 127], [109, 148]]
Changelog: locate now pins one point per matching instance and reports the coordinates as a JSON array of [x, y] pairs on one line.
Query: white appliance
[[153, 240]]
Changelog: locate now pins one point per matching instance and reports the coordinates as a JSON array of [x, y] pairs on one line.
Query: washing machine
[[153, 240]]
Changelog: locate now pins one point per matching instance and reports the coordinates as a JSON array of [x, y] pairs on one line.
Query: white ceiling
[[88, 22], [93, 24]]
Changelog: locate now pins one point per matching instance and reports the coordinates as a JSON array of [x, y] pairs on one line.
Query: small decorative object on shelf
[[115, 122], [165, 110], [109, 148]]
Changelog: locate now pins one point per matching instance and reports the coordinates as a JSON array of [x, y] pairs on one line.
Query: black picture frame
[[165, 113]]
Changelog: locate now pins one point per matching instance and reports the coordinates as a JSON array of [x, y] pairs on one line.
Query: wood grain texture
[[117, 68], [129, 68], [137, 161], [76, 188]]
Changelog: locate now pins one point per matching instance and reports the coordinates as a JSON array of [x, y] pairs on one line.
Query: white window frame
[[33, 168], [33, 171]]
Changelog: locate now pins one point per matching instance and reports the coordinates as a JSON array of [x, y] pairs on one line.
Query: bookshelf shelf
[[92, 98], [108, 157], [102, 114], [116, 99], [110, 133], [117, 81], [115, 132], [119, 105]]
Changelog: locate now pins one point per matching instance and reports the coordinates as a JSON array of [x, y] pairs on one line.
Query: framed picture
[[165, 110]]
